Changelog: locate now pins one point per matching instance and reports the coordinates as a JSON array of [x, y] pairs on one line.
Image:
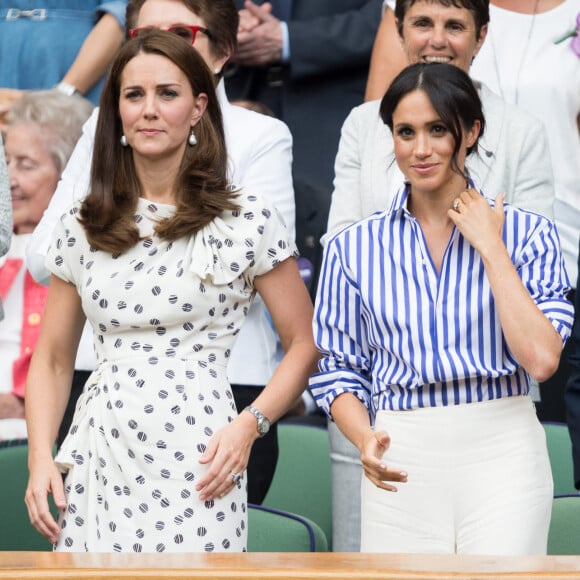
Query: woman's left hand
[[480, 224], [227, 455]]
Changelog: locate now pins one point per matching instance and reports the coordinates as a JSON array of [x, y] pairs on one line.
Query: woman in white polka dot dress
[[163, 258]]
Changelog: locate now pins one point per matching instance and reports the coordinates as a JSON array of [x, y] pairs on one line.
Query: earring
[[217, 71], [192, 140], [124, 141]]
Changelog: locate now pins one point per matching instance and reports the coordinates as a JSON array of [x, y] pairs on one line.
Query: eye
[[455, 27], [26, 164], [168, 93], [439, 129], [422, 23], [404, 132], [183, 32], [132, 95]]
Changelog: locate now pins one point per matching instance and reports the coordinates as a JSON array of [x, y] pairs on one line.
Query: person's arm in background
[[93, 58], [269, 171], [387, 59], [73, 185], [317, 46], [5, 206], [345, 206], [99, 47], [572, 392]]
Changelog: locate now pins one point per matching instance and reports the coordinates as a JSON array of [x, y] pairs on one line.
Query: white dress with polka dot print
[[165, 316]]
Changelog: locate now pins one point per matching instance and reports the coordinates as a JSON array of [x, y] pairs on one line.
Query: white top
[[520, 62], [513, 157], [260, 159]]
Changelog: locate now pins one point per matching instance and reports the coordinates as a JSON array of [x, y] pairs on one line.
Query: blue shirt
[[399, 335], [40, 39]]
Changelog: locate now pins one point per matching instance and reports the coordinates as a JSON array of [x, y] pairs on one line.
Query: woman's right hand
[[45, 478], [373, 449]]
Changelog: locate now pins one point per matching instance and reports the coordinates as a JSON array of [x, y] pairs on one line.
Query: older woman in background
[[42, 130]]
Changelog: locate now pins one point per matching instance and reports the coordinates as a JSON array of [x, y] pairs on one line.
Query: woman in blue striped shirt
[[432, 316]]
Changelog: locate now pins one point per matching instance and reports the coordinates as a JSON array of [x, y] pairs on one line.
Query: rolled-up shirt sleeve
[[542, 271], [341, 336], [115, 8]]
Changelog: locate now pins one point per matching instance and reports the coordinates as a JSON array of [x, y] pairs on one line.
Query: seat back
[[302, 480], [560, 452], [564, 535], [271, 530], [16, 531]]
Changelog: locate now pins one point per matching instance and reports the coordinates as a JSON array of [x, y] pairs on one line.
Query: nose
[[150, 106], [12, 173], [438, 37], [422, 145]]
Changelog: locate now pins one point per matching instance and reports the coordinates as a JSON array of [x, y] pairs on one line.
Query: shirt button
[[34, 319]]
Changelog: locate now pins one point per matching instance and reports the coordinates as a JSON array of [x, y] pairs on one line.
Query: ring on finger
[[456, 203], [235, 477]]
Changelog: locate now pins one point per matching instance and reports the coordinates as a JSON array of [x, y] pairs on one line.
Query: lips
[[150, 132], [424, 168]]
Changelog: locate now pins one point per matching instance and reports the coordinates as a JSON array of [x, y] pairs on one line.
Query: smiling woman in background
[[42, 130]]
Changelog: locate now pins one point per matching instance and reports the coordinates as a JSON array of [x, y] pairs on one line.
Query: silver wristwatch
[[263, 421], [67, 89]]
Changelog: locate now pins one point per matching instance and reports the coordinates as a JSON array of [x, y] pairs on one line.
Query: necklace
[[522, 59]]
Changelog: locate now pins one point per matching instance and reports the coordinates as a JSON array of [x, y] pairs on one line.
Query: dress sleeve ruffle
[[249, 241]]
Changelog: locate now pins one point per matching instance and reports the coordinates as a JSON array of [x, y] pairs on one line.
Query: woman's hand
[[227, 454], [480, 224], [374, 467], [45, 478]]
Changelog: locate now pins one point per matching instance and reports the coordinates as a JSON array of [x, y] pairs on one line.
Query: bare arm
[[352, 419], [387, 59], [95, 54], [529, 334], [289, 304], [47, 392]]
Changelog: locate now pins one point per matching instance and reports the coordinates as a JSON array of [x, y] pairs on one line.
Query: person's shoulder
[[255, 125], [367, 112], [515, 116]]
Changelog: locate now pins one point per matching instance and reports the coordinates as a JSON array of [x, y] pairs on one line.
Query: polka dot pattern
[[164, 316]]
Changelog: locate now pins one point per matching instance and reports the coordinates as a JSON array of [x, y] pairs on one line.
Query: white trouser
[[346, 481], [479, 482]]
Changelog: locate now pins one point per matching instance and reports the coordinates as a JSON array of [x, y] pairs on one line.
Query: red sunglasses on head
[[188, 33]]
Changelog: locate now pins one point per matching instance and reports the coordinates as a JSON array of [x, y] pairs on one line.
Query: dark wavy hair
[[220, 17], [202, 190], [452, 94], [478, 8]]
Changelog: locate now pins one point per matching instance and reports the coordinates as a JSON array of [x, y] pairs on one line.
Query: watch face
[[263, 426]]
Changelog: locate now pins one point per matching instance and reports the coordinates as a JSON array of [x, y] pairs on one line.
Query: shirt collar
[[401, 199]]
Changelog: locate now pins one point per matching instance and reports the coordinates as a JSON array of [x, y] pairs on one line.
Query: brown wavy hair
[[201, 187]]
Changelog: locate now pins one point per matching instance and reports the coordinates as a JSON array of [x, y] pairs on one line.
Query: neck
[[157, 181], [432, 207]]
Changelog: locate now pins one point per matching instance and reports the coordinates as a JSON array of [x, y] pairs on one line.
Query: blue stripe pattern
[[400, 336]]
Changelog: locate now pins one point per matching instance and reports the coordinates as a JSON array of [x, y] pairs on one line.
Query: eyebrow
[[159, 86]]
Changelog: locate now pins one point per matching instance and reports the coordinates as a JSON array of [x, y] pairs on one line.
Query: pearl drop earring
[[124, 141], [192, 140]]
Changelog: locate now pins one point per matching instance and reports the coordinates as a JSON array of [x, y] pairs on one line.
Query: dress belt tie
[[39, 14]]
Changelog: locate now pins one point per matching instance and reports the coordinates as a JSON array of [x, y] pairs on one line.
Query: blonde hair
[[60, 118]]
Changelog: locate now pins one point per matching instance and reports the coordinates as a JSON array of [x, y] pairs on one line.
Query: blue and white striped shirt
[[399, 335]]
